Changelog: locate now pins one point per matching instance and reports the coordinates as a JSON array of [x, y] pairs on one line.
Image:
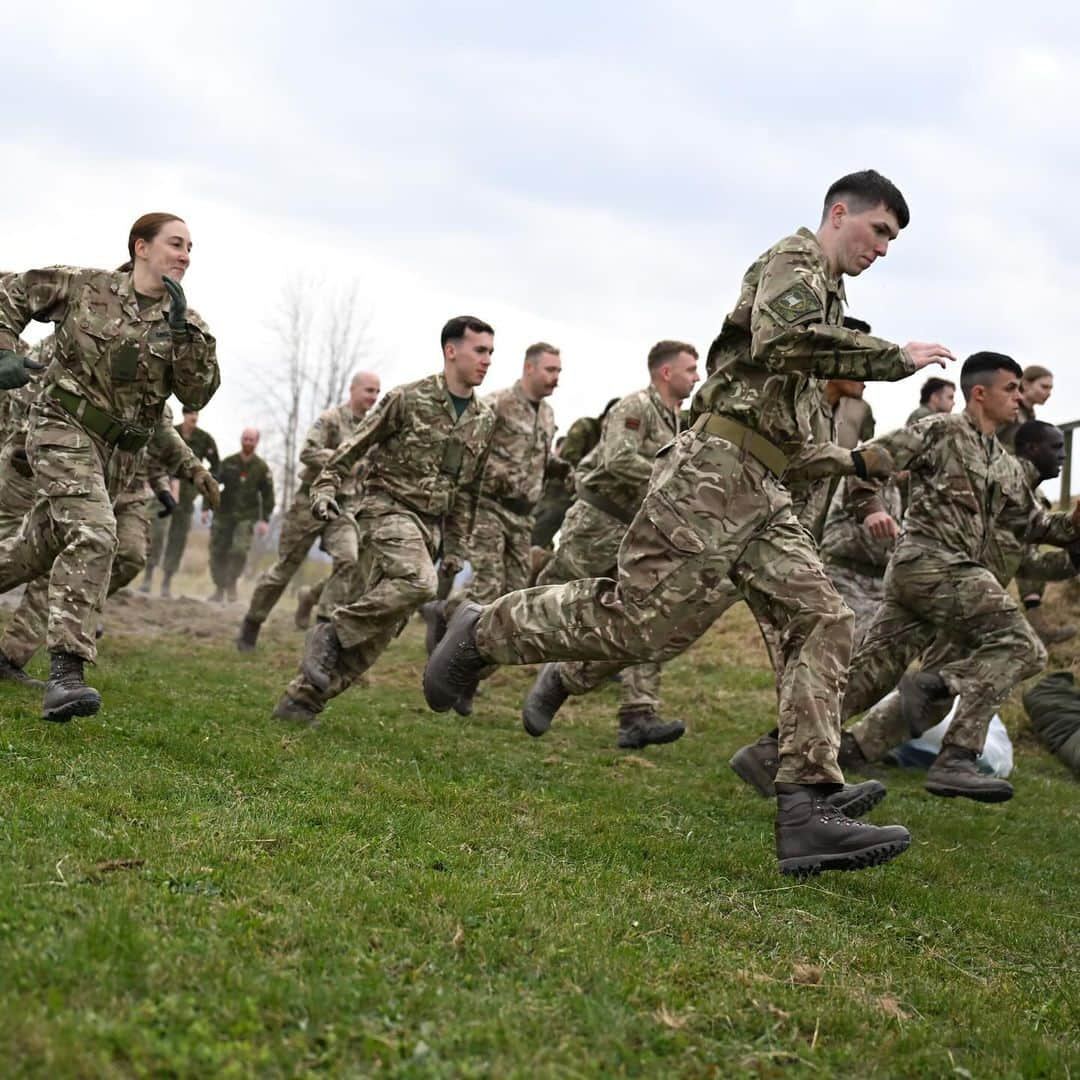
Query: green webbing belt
[[127, 437], [757, 446]]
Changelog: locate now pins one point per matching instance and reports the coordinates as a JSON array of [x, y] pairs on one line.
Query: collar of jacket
[[664, 408], [448, 405], [125, 290]]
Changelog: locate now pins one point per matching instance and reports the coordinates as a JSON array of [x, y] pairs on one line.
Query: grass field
[[190, 888]]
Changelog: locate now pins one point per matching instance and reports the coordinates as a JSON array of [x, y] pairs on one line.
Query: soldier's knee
[[423, 586], [1033, 656]]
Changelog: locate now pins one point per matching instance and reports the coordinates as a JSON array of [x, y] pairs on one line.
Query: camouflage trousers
[[16, 494], [862, 591], [70, 531], [169, 537], [299, 531], [985, 646], [498, 553], [230, 540], [713, 516], [392, 578], [589, 548], [27, 627]]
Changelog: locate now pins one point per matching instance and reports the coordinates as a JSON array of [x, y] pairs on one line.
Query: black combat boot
[[248, 636], [322, 651], [166, 587], [850, 757], [918, 693], [147, 581], [66, 695], [813, 836], [642, 725], [543, 701], [954, 773], [454, 669], [305, 604], [757, 763], [434, 615], [290, 709], [854, 800], [13, 673]]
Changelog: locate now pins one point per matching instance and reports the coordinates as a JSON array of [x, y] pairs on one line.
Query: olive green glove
[[177, 309], [15, 369], [208, 488]]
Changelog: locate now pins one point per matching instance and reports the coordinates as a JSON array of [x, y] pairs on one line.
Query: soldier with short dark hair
[[936, 396], [718, 511]]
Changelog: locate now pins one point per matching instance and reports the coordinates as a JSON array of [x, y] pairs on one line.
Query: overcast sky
[[595, 175]]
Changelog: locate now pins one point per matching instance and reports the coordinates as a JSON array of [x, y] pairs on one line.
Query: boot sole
[[945, 792], [812, 865], [640, 744], [748, 769], [63, 713], [864, 802]]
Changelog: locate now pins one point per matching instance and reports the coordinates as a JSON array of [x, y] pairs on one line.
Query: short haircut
[[979, 370], [663, 351], [1036, 371], [932, 386], [865, 190], [455, 329], [538, 349], [1033, 433], [189, 411], [851, 323], [609, 406]]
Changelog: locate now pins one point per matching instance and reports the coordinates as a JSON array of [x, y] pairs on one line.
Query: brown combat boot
[[322, 651], [248, 636], [66, 694], [642, 725], [757, 763], [305, 604], [812, 836], [954, 773], [290, 709], [13, 673], [455, 668], [543, 701], [1048, 633]]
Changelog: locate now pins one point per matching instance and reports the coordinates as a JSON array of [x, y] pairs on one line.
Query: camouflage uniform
[[855, 560], [113, 368], [165, 455], [518, 455], [419, 457], [169, 535], [300, 528], [1028, 588], [920, 413], [611, 482], [965, 488], [247, 497], [17, 486], [716, 512]]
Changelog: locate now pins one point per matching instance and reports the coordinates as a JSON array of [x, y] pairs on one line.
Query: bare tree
[[320, 338]]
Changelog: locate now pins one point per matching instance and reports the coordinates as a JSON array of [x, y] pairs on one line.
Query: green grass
[[191, 889]]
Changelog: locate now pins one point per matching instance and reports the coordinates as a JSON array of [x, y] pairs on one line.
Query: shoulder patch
[[633, 423], [796, 302]]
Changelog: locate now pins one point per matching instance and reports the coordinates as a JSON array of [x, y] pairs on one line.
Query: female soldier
[[125, 341]]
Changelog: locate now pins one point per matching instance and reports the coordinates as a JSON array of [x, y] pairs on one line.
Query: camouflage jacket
[[1007, 432], [247, 488], [520, 445], [419, 455], [166, 455], [583, 435], [786, 332], [920, 413], [202, 446], [15, 404], [332, 428], [846, 540], [618, 468], [964, 486], [118, 358]]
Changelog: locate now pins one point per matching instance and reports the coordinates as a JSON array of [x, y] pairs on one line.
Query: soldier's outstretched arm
[[1028, 519], [877, 459], [790, 335]]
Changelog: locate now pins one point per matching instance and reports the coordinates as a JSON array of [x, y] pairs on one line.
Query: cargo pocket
[[64, 460]]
